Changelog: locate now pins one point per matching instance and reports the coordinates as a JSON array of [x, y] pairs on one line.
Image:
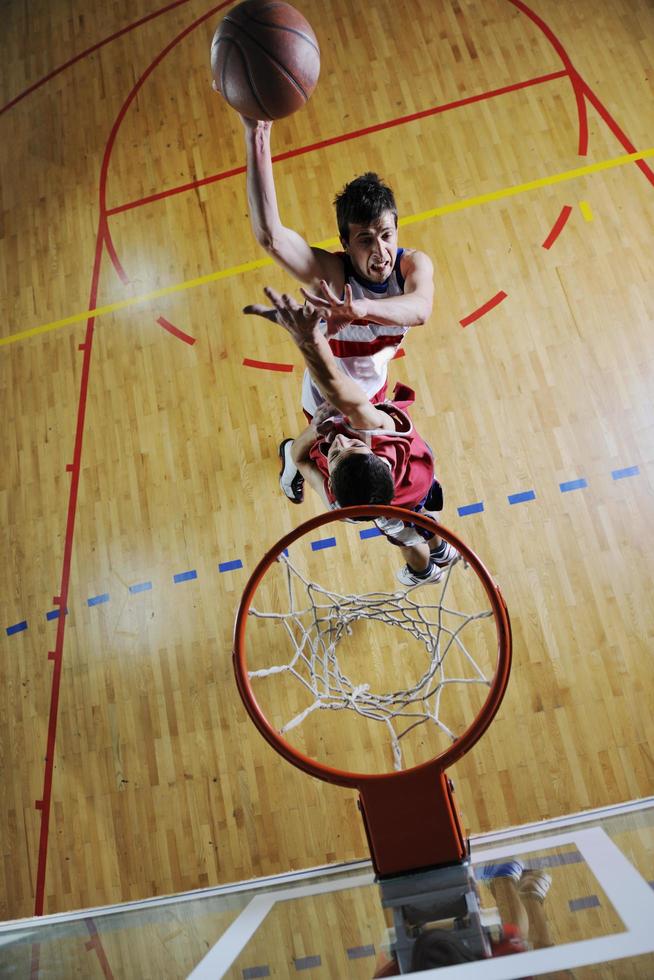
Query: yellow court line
[[531, 185], [136, 300], [586, 210], [236, 270]]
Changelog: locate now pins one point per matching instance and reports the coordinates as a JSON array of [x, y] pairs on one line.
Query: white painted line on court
[[221, 956]]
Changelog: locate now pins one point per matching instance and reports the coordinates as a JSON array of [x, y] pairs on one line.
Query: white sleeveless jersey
[[363, 350]]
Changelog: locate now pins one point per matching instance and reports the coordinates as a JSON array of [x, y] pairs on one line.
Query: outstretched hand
[[300, 321], [258, 309], [337, 312]]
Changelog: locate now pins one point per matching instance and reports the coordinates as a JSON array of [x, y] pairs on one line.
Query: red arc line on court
[[582, 93], [558, 226], [267, 365], [476, 314], [175, 331]]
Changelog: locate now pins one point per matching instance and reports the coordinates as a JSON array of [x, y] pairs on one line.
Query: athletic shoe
[[535, 884], [509, 869], [448, 557], [408, 577], [290, 479]]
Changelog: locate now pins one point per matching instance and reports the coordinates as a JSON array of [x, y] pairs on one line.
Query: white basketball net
[[316, 629]]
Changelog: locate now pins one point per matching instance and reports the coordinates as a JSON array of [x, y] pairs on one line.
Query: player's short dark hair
[[362, 479], [363, 201]]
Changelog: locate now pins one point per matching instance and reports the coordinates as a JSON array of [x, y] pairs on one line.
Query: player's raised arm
[[340, 390], [285, 246]]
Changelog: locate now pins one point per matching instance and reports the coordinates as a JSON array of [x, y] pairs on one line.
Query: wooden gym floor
[[139, 483]]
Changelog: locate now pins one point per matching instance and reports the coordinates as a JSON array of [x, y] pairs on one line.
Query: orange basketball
[[265, 59]]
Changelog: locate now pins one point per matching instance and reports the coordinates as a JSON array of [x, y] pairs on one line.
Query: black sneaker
[[290, 479]]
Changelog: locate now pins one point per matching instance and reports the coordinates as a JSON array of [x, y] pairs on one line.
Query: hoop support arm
[[412, 822]]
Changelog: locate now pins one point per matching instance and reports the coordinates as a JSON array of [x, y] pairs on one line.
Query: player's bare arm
[[288, 248], [340, 390], [301, 457]]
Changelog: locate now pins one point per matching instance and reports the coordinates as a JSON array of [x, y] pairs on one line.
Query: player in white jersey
[[370, 294]]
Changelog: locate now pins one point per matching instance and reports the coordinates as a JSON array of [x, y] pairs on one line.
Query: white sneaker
[[449, 556], [535, 883], [408, 577], [290, 479]]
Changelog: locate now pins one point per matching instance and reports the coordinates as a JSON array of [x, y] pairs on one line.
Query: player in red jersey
[[357, 452]]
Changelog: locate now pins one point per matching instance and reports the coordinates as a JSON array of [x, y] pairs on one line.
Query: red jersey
[[410, 458]]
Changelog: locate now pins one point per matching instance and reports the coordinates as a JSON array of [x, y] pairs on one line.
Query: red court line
[[44, 804], [115, 261], [584, 92], [558, 226], [571, 71], [267, 365], [175, 331], [476, 314], [341, 138], [96, 943], [619, 134], [119, 120], [103, 241], [88, 51]]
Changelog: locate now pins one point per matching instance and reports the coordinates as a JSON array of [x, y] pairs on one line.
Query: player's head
[[366, 213], [356, 475]]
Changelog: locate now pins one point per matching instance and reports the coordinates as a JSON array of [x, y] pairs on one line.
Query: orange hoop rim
[[477, 726]]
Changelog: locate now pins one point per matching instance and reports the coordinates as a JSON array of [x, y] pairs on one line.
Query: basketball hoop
[[309, 644]]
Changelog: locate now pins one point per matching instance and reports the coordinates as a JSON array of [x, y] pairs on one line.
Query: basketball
[[265, 59]]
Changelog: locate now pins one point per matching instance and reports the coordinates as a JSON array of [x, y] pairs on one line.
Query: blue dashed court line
[[573, 485], [97, 600], [587, 902], [470, 509], [254, 972], [323, 543], [371, 532], [556, 860], [307, 962], [359, 952], [54, 614], [521, 498], [17, 628], [627, 471], [229, 566]]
